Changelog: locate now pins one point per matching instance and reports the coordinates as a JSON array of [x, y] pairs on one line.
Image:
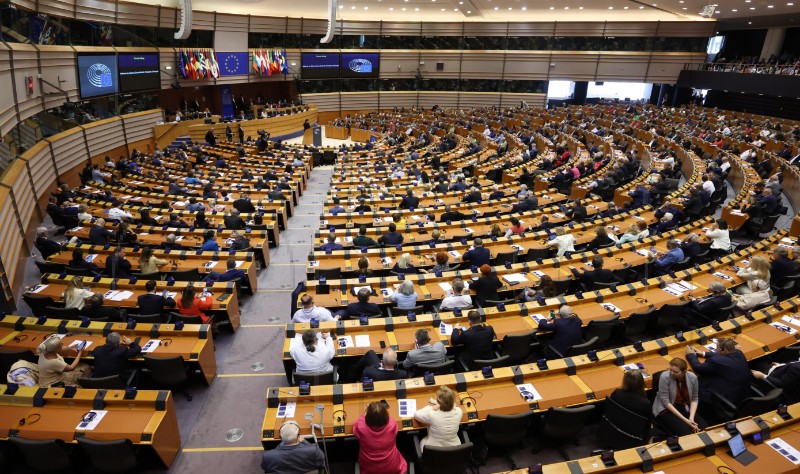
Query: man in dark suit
[[363, 306], [362, 206], [496, 193], [392, 237], [211, 139], [376, 370], [409, 201], [152, 302], [233, 221], [724, 372], [785, 376], [275, 194], [98, 234], [479, 255], [331, 244], [477, 340], [768, 202], [596, 274], [782, 266], [474, 196], [176, 222], [577, 213], [702, 311], [244, 205], [117, 266], [449, 215], [640, 196], [232, 273], [170, 244], [111, 357], [46, 246], [566, 330]]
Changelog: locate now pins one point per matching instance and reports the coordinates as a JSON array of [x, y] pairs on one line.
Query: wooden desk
[[176, 261], [190, 239], [571, 381], [193, 343], [149, 420], [228, 307]]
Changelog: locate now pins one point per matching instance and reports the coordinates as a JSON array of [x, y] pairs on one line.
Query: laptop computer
[[739, 450]]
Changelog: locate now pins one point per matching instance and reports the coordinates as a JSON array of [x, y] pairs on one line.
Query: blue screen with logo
[[97, 75], [319, 65], [361, 65]]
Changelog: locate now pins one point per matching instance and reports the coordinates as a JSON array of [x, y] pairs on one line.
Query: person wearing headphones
[[293, 455]]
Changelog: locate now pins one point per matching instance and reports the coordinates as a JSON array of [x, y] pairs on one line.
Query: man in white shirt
[[708, 186], [309, 311], [456, 299], [311, 356], [117, 214]]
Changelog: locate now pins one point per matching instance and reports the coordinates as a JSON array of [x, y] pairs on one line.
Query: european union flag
[[233, 64]]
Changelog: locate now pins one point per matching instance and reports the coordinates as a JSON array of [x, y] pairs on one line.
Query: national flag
[[212, 55], [264, 63], [181, 64], [284, 63]]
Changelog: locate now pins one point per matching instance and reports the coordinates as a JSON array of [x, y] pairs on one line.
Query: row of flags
[[198, 63], [208, 64], [267, 62]]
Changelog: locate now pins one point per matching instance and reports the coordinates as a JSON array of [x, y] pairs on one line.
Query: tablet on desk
[[739, 450]]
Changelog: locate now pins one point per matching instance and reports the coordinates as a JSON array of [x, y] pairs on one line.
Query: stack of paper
[[407, 407], [210, 265], [362, 340], [445, 329], [784, 328], [90, 420], [286, 409], [515, 278], [151, 345]]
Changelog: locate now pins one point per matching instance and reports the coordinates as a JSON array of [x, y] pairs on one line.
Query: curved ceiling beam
[[186, 19], [331, 22]]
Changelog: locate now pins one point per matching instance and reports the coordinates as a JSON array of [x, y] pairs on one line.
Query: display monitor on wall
[[361, 64], [319, 65], [138, 71], [97, 75]]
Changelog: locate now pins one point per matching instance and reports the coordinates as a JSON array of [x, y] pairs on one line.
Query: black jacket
[[725, 374], [355, 310], [118, 267], [100, 235], [151, 303], [244, 206], [477, 341], [234, 222], [47, 247], [110, 360]]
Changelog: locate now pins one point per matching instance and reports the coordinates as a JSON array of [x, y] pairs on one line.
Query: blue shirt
[[404, 301], [670, 258], [210, 245]]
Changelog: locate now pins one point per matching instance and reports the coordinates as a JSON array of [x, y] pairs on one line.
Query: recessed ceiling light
[[680, 1], [749, 22], [469, 11], [770, 6], [416, 9], [790, 4], [455, 9], [353, 7], [625, 8], [460, 3], [752, 8], [366, 8], [341, 6], [717, 11], [610, 8], [684, 8], [734, 10], [566, 8], [404, 8], [391, 9], [552, 8], [524, 8], [641, 8], [510, 8], [443, 9]]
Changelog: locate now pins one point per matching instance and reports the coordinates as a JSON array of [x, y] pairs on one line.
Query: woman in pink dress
[[376, 432]]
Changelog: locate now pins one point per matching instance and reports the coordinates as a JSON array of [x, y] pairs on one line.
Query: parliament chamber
[[399, 236]]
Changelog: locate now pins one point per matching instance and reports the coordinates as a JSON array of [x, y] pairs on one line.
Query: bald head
[[389, 359]]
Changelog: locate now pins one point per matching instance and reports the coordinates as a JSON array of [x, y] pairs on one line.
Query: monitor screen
[[138, 72], [737, 445], [97, 75], [361, 65], [319, 65]]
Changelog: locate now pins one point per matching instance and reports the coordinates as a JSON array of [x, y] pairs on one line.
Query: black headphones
[[339, 419], [24, 421], [20, 337]]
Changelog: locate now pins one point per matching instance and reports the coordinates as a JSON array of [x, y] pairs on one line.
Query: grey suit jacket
[[430, 354]]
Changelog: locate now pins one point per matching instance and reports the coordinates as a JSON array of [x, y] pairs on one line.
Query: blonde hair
[[446, 398], [51, 344], [404, 260], [559, 231], [760, 266], [76, 283]]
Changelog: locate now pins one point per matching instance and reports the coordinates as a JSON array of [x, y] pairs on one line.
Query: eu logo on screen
[[361, 65], [99, 75]]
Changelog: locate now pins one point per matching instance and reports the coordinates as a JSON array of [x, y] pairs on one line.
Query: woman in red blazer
[[376, 432], [191, 305]]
